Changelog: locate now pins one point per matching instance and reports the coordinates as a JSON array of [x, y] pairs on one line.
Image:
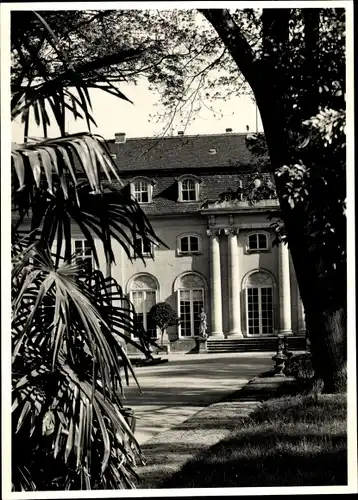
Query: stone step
[[253, 344]]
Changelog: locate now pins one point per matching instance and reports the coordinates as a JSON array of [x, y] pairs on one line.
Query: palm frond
[[64, 181], [67, 375], [70, 429]]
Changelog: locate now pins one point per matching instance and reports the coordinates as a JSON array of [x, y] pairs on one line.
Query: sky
[[115, 115]]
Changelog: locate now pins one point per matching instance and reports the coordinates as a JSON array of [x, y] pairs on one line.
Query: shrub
[[163, 315], [300, 366]]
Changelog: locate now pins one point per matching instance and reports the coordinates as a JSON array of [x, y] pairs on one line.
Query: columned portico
[[300, 314], [234, 284], [284, 289], [215, 284]]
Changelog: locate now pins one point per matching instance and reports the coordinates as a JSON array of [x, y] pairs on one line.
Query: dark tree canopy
[[163, 315]]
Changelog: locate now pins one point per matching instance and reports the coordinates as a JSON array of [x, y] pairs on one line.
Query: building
[[220, 252]]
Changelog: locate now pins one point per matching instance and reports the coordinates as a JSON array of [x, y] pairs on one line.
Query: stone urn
[[279, 358]]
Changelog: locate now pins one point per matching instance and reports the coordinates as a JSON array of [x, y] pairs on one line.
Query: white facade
[[245, 292]]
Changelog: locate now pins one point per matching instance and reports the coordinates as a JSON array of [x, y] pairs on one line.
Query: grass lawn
[[291, 441]]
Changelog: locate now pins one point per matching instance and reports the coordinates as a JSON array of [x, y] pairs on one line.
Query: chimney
[[228, 130], [180, 132], [119, 138]]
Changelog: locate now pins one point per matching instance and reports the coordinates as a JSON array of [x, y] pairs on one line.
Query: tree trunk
[[324, 303], [328, 348], [325, 306]]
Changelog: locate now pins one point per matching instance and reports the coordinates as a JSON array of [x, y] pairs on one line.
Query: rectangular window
[[197, 305], [194, 244], [83, 253], [259, 310], [143, 300], [190, 304], [142, 247], [262, 244], [189, 244], [185, 313], [253, 242], [258, 241], [184, 244]]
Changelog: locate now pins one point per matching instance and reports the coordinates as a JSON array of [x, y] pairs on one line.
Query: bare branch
[[234, 41]]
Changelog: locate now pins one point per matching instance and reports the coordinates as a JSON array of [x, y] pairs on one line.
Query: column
[[234, 284], [215, 285], [284, 289], [300, 314]]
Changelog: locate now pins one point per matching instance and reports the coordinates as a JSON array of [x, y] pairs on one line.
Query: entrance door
[[259, 310]]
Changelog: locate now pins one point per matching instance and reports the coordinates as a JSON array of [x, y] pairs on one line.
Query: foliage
[[163, 316], [300, 366], [185, 60], [72, 179], [45, 75], [297, 73], [317, 185], [70, 428], [176, 51]]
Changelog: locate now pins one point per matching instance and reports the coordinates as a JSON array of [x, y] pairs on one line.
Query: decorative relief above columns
[[216, 231], [213, 231], [231, 231]]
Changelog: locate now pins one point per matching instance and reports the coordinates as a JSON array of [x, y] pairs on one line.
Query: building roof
[[212, 187], [183, 153], [220, 161]]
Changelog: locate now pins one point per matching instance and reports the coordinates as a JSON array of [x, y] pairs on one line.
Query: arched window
[[143, 292], [259, 288], [257, 242], [188, 244], [190, 289]]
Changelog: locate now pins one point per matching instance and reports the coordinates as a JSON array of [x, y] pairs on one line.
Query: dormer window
[[142, 190], [189, 244], [141, 193], [188, 189], [257, 242]]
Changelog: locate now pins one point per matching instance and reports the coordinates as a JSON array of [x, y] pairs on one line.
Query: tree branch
[[99, 16], [234, 41]]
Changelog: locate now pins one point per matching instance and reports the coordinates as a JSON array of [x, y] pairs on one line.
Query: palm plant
[[70, 429]]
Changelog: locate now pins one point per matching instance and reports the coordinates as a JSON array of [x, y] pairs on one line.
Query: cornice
[[237, 206]]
